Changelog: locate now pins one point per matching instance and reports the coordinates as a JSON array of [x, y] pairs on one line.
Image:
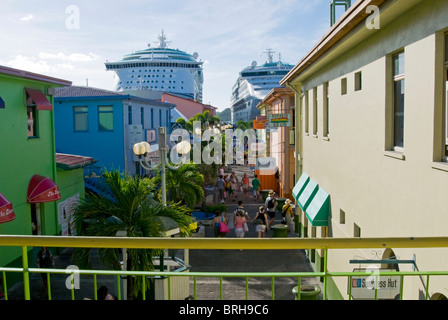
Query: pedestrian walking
[[220, 186], [245, 184], [233, 186], [217, 220], [256, 186], [240, 209], [261, 222], [221, 171], [44, 259], [288, 214], [271, 204], [240, 222], [226, 186]]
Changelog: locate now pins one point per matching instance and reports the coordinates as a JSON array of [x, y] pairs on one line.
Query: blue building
[[106, 125]]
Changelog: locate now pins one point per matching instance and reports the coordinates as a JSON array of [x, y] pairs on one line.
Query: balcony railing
[[324, 244]]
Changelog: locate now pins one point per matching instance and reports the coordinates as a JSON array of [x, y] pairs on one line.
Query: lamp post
[[142, 148]]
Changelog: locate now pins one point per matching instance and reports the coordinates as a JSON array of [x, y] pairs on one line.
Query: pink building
[[278, 106], [187, 108]]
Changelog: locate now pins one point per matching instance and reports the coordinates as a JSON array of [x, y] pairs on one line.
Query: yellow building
[[372, 132]]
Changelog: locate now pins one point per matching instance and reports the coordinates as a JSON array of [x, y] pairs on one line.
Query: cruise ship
[[253, 85], [160, 69]]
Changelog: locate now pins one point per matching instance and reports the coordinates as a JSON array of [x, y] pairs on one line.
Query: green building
[[29, 191]]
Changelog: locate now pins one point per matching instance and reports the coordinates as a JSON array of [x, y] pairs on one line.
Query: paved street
[[248, 260], [201, 261]]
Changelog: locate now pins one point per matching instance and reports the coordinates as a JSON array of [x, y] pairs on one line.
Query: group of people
[[229, 185], [263, 220]]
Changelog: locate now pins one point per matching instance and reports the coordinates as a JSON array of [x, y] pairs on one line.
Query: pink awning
[[39, 99], [6, 211], [42, 189]]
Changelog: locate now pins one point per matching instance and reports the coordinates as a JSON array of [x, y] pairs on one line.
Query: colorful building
[[186, 108], [278, 107], [372, 138], [106, 124], [28, 171]]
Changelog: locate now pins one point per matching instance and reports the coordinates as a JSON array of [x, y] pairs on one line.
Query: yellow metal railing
[[324, 244]]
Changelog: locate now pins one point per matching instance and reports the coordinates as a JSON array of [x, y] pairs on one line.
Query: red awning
[[39, 99], [6, 212], [42, 189]]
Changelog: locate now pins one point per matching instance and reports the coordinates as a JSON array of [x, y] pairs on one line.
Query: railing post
[[325, 273], [26, 274], [5, 286]]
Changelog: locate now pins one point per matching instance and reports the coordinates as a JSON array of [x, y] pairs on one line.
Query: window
[[31, 113], [341, 216], [142, 117], [80, 119], [105, 118], [445, 117], [326, 100], [307, 113], [398, 101], [356, 231], [358, 81], [315, 117], [152, 118], [129, 115], [160, 117], [344, 86]]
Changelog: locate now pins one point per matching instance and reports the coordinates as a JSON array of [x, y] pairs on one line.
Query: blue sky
[[72, 39]]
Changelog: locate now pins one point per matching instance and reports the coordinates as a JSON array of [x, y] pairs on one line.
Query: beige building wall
[[376, 191]]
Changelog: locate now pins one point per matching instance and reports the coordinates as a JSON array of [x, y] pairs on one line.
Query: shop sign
[[259, 124], [280, 120], [363, 287]]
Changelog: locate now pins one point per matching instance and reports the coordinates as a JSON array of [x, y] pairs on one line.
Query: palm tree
[[183, 185], [204, 118], [244, 125], [186, 125], [133, 210]]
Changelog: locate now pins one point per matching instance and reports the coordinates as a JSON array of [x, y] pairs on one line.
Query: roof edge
[[33, 76], [348, 22]]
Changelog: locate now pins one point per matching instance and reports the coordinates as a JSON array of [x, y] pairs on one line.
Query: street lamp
[[142, 148]]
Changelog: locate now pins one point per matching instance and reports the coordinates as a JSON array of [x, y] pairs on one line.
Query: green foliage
[[133, 210], [183, 185], [203, 117], [244, 125], [215, 207]]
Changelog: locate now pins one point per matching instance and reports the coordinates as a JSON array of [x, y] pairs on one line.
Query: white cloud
[[27, 17], [74, 57], [29, 64]]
